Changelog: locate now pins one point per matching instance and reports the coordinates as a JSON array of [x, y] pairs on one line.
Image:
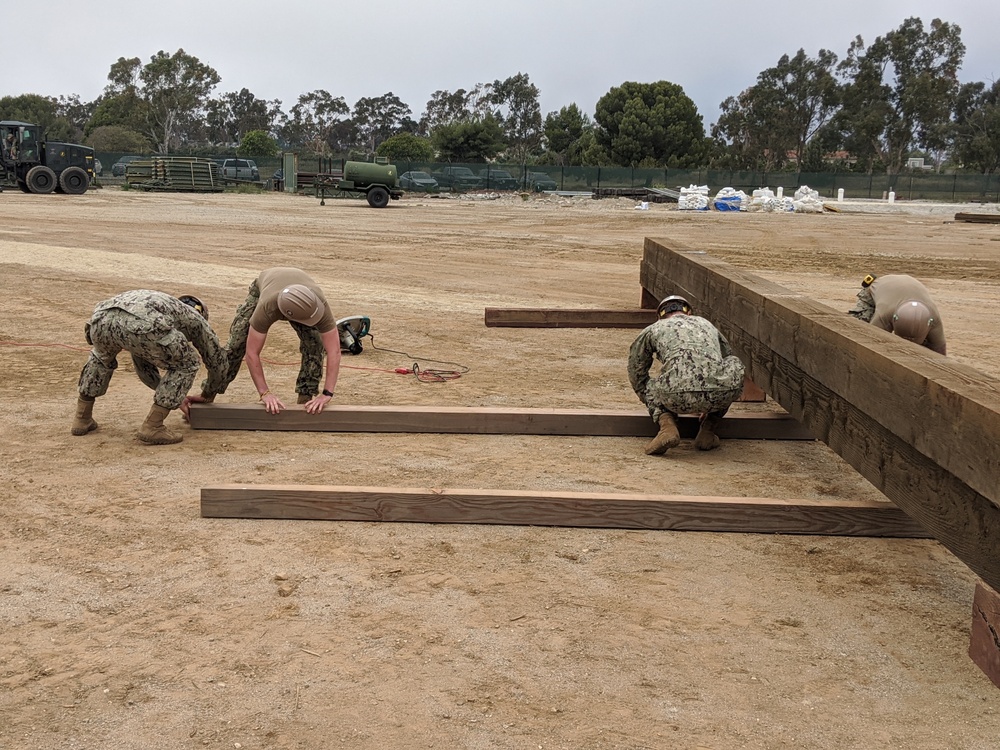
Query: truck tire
[[74, 181], [378, 197], [40, 179]]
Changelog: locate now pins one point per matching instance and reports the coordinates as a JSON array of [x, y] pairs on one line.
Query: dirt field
[[128, 621]]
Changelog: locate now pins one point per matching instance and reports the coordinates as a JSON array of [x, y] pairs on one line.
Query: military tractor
[[40, 166], [376, 182]]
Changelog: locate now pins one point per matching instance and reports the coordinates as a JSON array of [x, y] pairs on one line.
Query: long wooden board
[[577, 509], [924, 429], [552, 318], [484, 421], [537, 317]]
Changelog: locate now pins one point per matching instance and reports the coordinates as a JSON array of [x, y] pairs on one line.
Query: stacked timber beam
[[922, 428], [978, 218]]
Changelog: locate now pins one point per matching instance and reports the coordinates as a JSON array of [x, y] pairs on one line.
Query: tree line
[[870, 112]]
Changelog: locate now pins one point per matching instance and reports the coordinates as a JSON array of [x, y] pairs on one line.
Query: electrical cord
[[421, 374], [425, 375]]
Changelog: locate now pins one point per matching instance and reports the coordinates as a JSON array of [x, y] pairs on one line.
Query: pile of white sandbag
[[729, 199], [765, 200], [807, 200], [693, 198]]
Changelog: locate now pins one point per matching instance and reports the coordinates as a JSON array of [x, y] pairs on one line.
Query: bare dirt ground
[[128, 621]]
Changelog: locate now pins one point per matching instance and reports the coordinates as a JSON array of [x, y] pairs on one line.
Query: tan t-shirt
[[889, 292], [271, 282]]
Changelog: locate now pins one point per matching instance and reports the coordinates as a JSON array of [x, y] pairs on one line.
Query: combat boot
[[304, 398], [706, 439], [84, 421], [153, 431], [668, 436]]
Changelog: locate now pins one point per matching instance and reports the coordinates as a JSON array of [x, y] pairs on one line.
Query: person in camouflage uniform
[[700, 375], [286, 294], [901, 305], [161, 333]]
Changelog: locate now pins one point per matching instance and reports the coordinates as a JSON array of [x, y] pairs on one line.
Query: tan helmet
[[912, 321], [672, 304], [301, 304]]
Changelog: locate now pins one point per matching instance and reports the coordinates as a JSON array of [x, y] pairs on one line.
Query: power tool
[[352, 330]]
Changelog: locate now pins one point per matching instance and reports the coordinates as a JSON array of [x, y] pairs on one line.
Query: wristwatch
[[327, 393]]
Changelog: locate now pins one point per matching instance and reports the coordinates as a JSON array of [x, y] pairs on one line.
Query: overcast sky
[[572, 51]]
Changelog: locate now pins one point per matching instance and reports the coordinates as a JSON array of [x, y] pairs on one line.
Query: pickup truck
[[239, 169], [457, 178]]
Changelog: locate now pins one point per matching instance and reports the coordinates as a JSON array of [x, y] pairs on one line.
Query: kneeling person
[[162, 333], [700, 375]]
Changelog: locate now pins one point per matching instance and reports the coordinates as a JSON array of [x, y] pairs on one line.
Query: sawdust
[[130, 622]]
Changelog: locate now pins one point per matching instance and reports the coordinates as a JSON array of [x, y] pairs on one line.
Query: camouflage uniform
[[864, 309], [161, 333], [310, 346], [699, 374]]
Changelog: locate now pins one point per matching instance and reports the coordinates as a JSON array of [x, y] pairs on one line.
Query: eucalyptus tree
[[379, 118], [977, 127], [234, 114], [517, 111], [778, 117], [899, 91], [318, 121]]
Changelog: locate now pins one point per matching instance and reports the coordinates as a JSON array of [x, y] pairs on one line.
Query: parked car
[[456, 178], [118, 168], [418, 181], [497, 179], [539, 181], [239, 169]]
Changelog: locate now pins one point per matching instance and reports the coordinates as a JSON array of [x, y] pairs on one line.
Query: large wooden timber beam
[[537, 317], [577, 509], [483, 421], [924, 429], [534, 317]]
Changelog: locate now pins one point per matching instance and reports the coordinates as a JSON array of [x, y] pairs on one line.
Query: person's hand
[[186, 405], [317, 404], [272, 404]]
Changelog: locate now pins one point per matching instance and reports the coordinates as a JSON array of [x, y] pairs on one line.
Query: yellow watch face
[[868, 280]]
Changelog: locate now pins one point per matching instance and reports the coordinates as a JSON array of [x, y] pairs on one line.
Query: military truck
[[40, 166], [376, 182]]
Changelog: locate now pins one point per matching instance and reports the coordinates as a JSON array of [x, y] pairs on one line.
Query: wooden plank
[[537, 317], [924, 429], [984, 642], [978, 218], [484, 421], [553, 318], [576, 509]]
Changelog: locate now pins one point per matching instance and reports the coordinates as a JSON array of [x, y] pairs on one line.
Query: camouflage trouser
[[310, 347], [117, 330], [659, 400], [864, 310]]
